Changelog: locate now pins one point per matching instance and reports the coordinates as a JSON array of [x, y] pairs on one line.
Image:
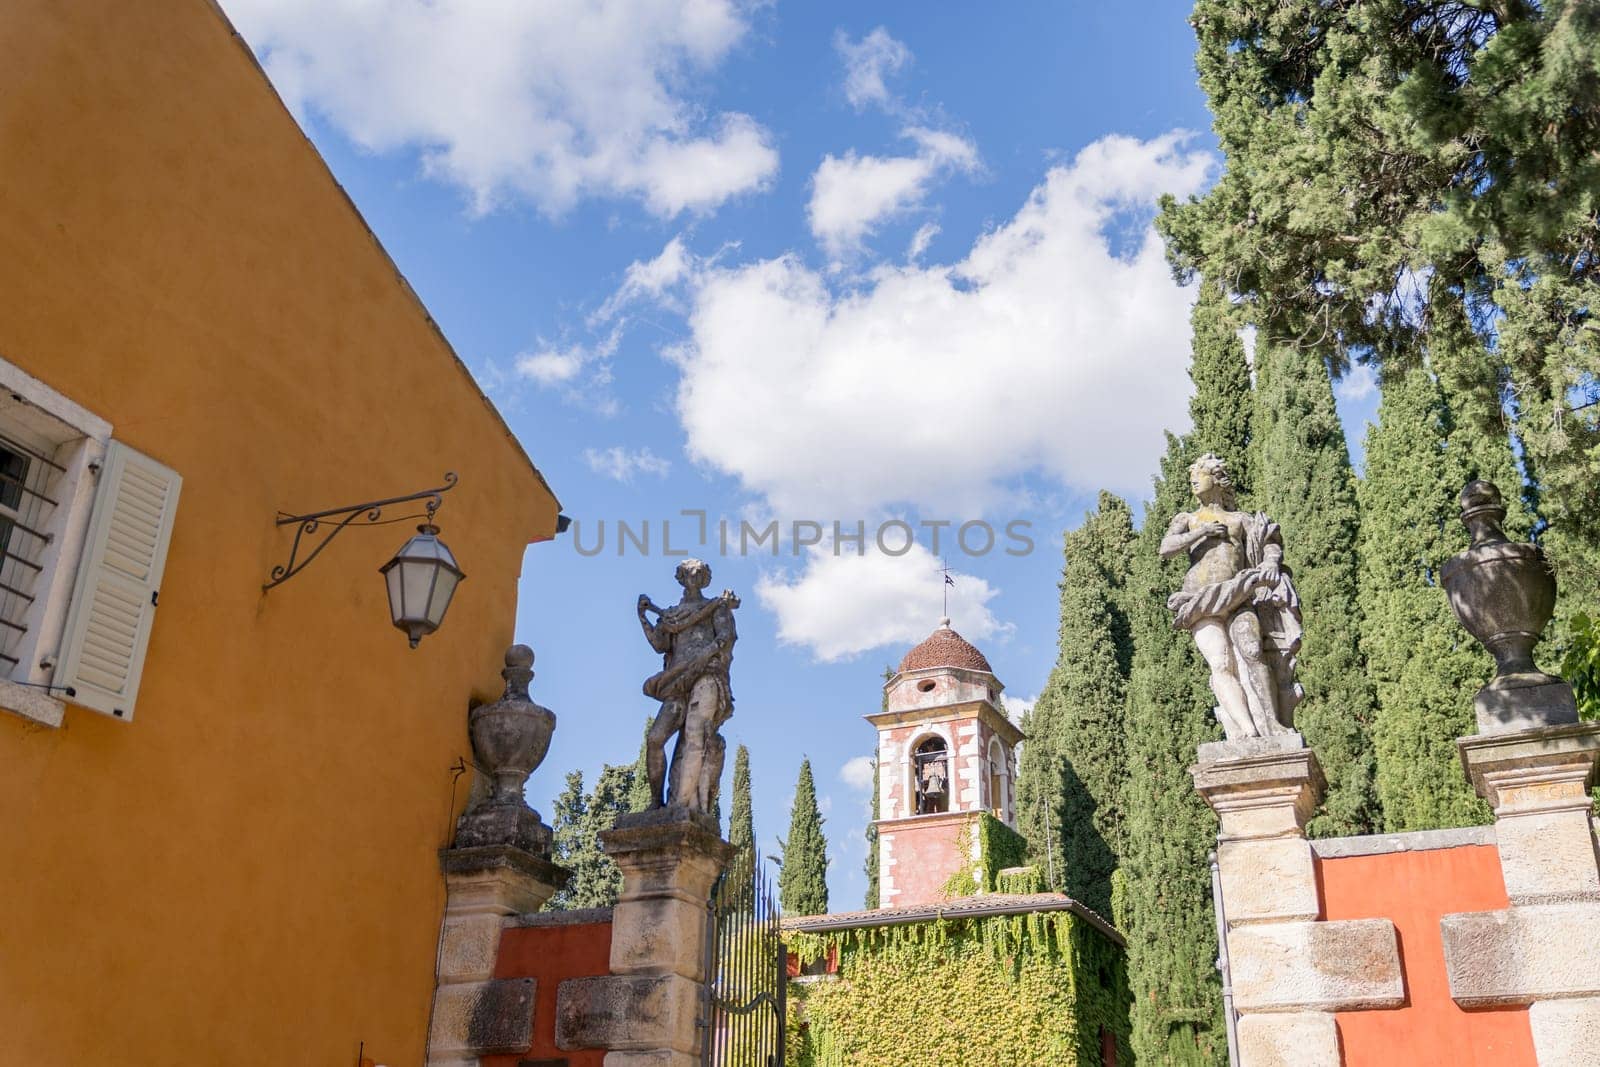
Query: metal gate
[[746, 968]]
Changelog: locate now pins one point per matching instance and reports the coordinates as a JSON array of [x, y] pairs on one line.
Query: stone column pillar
[[648, 1011], [498, 866], [1290, 971], [1543, 951], [474, 1013]]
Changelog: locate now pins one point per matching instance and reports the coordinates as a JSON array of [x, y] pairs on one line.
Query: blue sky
[[809, 263]]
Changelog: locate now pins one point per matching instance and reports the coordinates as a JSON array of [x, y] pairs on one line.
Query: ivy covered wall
[[1002, 991]]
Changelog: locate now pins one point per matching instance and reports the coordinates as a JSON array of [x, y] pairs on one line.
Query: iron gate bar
[[745, 1001]]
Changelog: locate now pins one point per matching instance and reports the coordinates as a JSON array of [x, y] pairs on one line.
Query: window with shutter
[[84, 526], [114, 601]]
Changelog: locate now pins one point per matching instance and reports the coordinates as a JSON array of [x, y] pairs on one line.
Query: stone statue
[[695, 637], [1239, 603]]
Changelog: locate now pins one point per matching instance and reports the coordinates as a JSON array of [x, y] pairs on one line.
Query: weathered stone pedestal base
[[647, 1011], [1290, 972], [475, 1014], [1544, 950]]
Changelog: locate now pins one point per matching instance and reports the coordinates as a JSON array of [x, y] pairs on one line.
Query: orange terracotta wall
[[1414, 889], [550, 954], [246, 872], [925, 853]]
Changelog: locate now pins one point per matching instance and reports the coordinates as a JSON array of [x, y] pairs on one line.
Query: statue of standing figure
[[695, 637], [1239, 603]]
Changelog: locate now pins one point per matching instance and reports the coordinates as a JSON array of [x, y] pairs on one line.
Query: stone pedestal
[[1543, 951], [475, 1014], [1290, 972], [648, 1010]]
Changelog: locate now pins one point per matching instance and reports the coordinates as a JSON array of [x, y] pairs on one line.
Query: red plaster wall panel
[[552, 954], [1415, 889], [925, 856]]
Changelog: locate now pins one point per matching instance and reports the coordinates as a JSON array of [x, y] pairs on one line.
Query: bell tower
[[946, 756]]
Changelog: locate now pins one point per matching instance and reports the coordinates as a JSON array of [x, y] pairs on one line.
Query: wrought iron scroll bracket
[[332, 522]]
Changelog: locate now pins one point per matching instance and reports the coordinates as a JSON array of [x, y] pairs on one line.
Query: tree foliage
[[871, 865], [741, 816], [577, 823], [803, 883], [1304, 482], [1398, 169], [1423, 665], [1071, 775], [1165, 902]]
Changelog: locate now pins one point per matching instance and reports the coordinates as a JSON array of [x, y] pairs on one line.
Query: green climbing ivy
[[1006, 991], [999, 847]]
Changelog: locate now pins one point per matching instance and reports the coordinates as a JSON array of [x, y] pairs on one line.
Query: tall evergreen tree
[[1222, 408], [1398, 168], [1166, 885], [639, 790], [1070, 779], [1304, 482], [803, 883], [741, 819], [1423, 666], [871, 865], [576, 824]]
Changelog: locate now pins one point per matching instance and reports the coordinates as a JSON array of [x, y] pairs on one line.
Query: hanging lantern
[[422, 577]]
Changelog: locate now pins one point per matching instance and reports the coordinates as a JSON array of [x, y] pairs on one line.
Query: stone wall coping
[[1329, 848], [502, 857], [980, 906], [575, 917]]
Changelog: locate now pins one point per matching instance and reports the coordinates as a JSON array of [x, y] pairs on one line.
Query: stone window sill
[[33, 704]]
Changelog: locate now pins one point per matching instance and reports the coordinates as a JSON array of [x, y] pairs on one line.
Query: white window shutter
[[114, 601]]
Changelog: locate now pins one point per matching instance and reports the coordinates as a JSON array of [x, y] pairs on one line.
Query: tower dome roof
[[945, 648]]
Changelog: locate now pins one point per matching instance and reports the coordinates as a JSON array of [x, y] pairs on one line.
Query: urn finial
[[509, 740], [1503, 593], [1482, 511]]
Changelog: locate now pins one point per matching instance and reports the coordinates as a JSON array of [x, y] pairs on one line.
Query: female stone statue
[[1239, 603]]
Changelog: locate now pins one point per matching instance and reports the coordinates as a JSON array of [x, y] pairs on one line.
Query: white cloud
[[1045, 350], [553, 366], [867, 63], [1017, 707], [857, 773], [551, 102], [648, 279], [851, 195], [921, 240], [622, 464], [1357, 384], [582, 372], [840, 606]]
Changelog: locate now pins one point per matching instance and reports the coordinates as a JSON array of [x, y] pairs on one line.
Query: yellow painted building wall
[[246, 872]]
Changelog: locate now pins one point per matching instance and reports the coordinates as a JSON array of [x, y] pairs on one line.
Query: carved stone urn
[[509, 740], [1504, 592]]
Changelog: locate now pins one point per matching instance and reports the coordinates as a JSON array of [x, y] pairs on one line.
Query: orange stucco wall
[[246, 873], [1414, 889], [550, 955], [926, 851]]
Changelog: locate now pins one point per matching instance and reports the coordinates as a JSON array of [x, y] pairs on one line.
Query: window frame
[[81, 439]]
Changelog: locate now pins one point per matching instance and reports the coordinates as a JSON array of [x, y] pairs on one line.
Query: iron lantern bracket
[[368, 514]]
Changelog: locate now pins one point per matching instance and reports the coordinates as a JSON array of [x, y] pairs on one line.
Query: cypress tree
[[1304, 482], [1404, 173], [803, 883], [872, 841], [1221, 409], [1166, 885], [1424, 667], [1070, 779], [639, 790], [741, 819]]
